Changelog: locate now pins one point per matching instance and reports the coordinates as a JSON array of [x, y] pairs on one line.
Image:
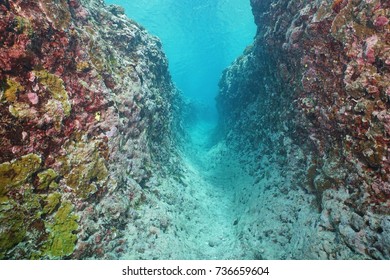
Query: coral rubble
[[317, 78], [86, 115]]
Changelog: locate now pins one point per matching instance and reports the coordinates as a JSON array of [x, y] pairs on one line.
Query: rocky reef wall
[[86, 115], [310, 98]]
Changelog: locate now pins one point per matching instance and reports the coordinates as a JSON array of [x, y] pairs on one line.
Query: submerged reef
[[311, 97], [92, 165], [86, 117]]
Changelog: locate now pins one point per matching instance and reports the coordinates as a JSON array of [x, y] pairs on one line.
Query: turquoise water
[[200, 38]]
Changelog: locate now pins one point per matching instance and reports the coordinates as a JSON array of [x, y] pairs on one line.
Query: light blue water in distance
[[200, 38]]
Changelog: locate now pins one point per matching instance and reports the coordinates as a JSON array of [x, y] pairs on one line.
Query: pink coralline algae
[[381, 21], [332, 101], [33, 97], [370, 51], [64, 75]]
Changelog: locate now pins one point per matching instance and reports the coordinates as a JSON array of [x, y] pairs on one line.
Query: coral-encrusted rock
[[85, 120], [319, 73]]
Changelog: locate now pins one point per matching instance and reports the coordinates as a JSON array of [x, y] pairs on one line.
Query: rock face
[[86, 118], [310, 98]]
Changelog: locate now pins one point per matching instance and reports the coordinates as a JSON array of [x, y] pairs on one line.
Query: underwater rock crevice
[[95, 161]]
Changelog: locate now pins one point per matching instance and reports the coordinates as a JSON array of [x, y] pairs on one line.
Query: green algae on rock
[[23, 25], [13, 227], [62, 239], [17, 171], [52, 201], [45, 178], [85, 170], [22, 111], [56, 88], [11, 88]]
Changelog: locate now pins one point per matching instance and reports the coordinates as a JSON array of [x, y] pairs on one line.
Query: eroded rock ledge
[[86, 115], [317, 79]]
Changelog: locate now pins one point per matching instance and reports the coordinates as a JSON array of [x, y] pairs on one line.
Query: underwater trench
[[261, 190], [102, 157], [274, 184], [200, 39]]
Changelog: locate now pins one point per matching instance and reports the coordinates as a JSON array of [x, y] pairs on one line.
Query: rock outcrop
[[311, 98], [86, 115]]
